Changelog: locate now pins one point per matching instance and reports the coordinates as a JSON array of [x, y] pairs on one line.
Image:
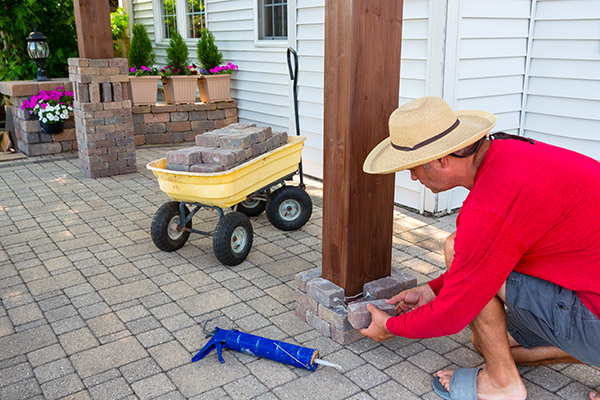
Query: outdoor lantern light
[[38, 50]]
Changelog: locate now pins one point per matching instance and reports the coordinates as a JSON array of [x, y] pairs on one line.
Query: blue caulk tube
[[287, 353]]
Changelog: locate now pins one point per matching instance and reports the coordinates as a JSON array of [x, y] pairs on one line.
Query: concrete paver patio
[[92, 309]]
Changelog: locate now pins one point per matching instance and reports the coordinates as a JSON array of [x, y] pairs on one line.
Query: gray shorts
[[541, 313]]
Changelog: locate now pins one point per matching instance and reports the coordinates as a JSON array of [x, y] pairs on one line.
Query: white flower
[[44, 120]]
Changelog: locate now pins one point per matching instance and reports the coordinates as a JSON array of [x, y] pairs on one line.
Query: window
[[169, 18], [272, 19], [186, 16], [196, 18]]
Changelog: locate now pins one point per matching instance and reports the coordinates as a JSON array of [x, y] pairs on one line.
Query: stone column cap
[[31, 87]]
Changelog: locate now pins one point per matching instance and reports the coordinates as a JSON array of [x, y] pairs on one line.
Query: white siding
[[414, 72], [261, 86], [486, 54], [310, 34], [487, 67], [538, 72], [563, 94], [143, 14]]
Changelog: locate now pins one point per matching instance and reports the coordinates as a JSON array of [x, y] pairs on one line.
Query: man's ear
[[442, 162]]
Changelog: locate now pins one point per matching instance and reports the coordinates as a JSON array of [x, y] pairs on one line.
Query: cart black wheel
[[165, 231], [289, 208], [252, 207], [232, 240]]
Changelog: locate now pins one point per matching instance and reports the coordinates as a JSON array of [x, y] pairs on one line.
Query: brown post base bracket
[[103, 116], [324, 306]]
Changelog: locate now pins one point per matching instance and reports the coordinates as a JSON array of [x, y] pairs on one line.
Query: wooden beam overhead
[[362, 74], [94, 35]]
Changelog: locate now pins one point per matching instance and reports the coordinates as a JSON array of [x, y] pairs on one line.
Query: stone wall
[[30, 140], [168, 123], [156, 124]]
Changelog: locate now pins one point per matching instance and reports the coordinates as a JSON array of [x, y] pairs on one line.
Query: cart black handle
[[294, 73], [294, 76]]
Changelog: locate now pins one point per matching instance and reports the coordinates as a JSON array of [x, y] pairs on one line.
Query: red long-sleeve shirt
[[534, 209]]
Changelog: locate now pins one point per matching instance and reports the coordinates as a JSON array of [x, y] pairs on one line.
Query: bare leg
[[449, 250], [541, 355], [500, 379]]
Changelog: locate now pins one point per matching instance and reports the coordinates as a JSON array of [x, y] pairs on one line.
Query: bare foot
[[594, 396], [487, 389]]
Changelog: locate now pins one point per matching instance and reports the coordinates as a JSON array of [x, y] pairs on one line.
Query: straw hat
[[424, 130]]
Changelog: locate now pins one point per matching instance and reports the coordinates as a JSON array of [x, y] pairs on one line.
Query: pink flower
[[145, 68], [69, 93], [132, 69], [60, 88]]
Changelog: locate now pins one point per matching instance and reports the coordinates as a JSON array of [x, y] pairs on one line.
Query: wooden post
[[362, 73], [94, 35]]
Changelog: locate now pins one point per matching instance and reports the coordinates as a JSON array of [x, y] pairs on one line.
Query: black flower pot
[[52, 128]]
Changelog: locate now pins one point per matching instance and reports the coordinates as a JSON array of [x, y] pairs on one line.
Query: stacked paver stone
[[225, 148], [103, 118], [323, 304]]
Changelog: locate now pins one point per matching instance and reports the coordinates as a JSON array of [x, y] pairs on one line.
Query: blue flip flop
[[463, 385]]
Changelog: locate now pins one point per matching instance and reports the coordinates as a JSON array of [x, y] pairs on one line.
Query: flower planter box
[[52, 128], [180, 89], [214, 88], [144, 89]]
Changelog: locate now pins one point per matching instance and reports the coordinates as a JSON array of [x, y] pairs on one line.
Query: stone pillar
[[103, 117]]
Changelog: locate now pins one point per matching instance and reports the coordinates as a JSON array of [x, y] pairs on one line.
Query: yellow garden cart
[[248, 189]]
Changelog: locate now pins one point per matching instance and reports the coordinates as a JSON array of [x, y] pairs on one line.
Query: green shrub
[[177, 53], [118, 24], [208, 52], [141, 52], [54, 18]]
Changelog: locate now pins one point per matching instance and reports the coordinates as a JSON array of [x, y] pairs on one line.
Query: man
[[528, 237]]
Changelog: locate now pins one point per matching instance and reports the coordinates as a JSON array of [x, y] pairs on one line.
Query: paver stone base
[[323, 305]]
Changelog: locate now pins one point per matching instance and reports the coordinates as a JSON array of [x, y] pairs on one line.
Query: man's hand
[[410, 299], [377, 330]]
